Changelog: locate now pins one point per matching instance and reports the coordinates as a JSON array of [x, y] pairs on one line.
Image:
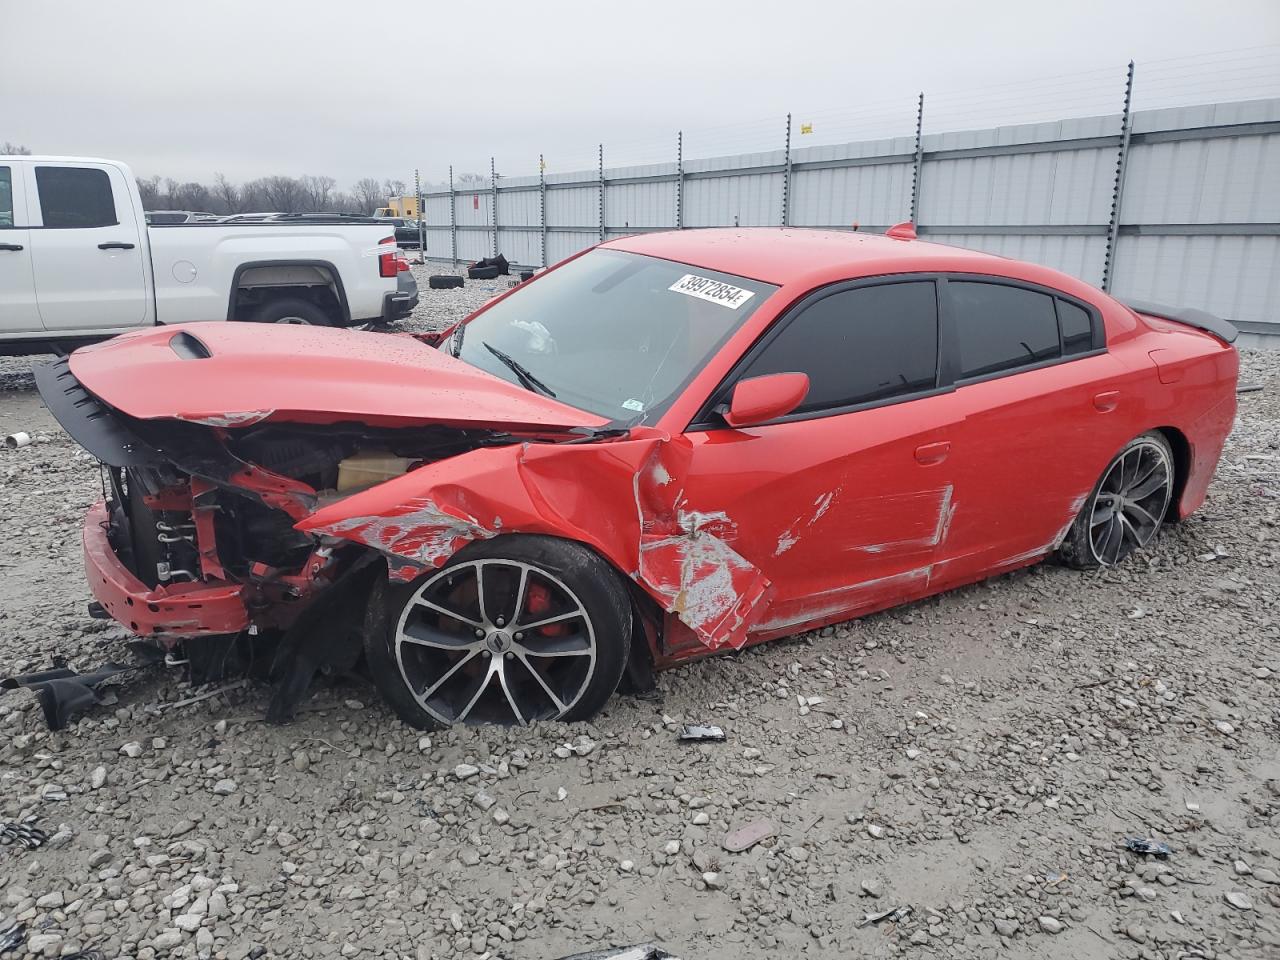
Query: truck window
[[75, 197], [6, 197]]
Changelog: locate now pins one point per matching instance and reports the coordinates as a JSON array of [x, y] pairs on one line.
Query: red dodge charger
[[664, 446]]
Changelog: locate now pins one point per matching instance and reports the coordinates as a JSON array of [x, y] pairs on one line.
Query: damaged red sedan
[[667, 445]]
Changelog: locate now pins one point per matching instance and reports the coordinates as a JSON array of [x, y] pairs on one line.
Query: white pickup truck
[[78, 262]]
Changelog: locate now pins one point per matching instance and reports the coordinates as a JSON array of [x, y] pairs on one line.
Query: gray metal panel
[[1065, 186], [1224, 180], [573, 206], [518, 209], [1237, 278], [474, 245], [640, 205], [472, 209], [844, 195], [520, 246], [751, 200], [436, 210], [438, 242]]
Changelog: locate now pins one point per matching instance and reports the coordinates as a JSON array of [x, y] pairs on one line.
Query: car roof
[[789, 255]]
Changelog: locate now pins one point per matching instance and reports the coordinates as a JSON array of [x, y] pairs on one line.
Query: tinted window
[[1001, 327], [75, 197], [6, 197], [1077, 328], [860, 345]]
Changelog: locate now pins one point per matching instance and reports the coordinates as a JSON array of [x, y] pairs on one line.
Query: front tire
[[1127, 507], [511, 630]]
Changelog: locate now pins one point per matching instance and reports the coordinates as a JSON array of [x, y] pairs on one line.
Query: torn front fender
[[624, 498]]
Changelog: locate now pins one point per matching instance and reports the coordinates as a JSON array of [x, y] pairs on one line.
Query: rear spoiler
[[1224, 330]]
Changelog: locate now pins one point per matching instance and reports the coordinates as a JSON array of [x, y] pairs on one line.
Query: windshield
[[614, 333]]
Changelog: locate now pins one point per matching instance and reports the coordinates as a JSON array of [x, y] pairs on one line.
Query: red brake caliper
[[538, 604]]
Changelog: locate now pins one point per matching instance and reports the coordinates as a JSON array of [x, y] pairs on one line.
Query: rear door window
[[6, 197], [75, 197], [859, 346], [1001, 327]]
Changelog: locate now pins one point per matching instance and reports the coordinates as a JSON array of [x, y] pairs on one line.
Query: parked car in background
[[179, 216], [406, 231], [78, 262], [668, 445]]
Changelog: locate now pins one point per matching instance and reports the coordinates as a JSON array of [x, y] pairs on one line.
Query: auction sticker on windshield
[[716, 291]]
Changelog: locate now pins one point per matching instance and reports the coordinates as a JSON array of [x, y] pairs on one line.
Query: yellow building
[[406, 207]]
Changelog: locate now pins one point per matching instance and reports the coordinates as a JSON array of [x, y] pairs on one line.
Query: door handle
[[10, 246], [115, 245], [931, 453], [1106, 401]]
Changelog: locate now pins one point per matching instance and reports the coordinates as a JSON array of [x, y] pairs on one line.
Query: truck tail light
[[392, 263]]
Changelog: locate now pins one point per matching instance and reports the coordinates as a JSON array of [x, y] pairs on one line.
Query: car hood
[[237, 374]]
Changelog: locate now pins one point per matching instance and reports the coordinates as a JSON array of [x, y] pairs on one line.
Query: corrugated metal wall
[[1199, 224]]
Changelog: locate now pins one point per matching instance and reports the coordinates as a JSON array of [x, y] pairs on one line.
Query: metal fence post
[[786, 177], [453, 217], [918, 165], [493, 202], [680, 180], [542, 204], [422, 230], [1117, 193], [600, 168]]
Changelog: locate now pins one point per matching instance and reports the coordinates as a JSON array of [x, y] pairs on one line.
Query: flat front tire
[[511, 630], [1126, 509]]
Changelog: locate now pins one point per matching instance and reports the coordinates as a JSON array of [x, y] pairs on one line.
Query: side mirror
[[761, 399]]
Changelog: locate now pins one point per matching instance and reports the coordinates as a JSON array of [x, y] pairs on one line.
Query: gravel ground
[[979, 757]]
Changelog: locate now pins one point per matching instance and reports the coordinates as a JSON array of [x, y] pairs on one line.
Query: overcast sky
[[352, 89]]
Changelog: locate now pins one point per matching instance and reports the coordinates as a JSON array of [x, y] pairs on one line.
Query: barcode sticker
[[714, 291]]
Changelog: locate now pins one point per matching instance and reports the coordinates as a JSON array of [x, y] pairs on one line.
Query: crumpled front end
[[195, 535]]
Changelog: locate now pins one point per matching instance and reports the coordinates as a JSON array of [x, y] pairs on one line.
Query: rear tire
[[511, 630], [1126, 509], [292, 310]]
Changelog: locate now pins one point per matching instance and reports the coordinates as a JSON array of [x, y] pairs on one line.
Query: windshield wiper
[[455, 340], [526, 378]]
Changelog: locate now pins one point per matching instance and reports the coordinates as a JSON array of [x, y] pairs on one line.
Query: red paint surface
[[307, 375], [739, 535], [180, 610]]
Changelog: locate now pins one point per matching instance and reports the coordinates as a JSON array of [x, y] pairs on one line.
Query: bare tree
[[14, 150], [395, 188], [149, 189], [368, 195], [318, 191], [192, 196], [284, 194], [226, 195]]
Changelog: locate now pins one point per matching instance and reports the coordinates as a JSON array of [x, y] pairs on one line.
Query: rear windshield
[[618, 334]]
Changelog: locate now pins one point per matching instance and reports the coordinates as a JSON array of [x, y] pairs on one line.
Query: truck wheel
[[511, 630], [290, 310]]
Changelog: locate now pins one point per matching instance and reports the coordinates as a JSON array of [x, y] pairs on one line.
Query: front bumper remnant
[[175, 610]]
